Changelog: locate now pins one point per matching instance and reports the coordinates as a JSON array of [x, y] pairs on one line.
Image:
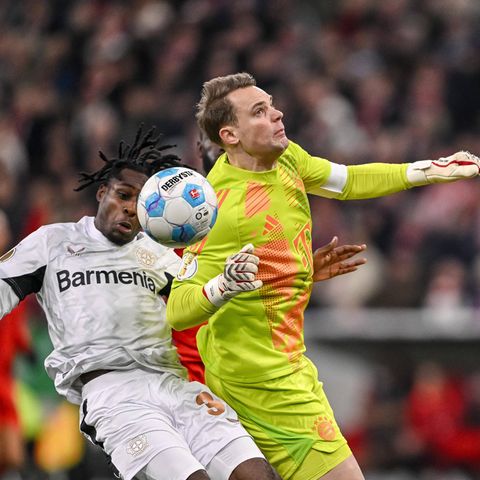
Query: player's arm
[[8, 299], [22, 270], [191, 304], [355, 182], [187, 306]]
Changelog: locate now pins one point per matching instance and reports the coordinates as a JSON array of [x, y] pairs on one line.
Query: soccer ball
[[177, 207]]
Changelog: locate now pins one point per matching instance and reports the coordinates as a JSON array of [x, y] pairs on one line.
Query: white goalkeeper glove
[[455, 167], [238, 276]]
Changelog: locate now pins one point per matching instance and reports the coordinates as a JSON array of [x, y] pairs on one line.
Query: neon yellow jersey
[[259, 335]]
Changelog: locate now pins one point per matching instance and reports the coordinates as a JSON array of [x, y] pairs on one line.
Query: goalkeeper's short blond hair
[[214, 110]]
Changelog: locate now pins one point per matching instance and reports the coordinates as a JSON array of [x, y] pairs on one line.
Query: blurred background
[[397, 343]]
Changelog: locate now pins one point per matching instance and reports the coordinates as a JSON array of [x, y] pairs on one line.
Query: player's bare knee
[[254, 469], [346, 470]]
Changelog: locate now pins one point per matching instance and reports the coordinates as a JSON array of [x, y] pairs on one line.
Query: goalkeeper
[[253, 346]]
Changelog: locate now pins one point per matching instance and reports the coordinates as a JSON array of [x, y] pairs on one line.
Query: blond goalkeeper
[[253, 345]]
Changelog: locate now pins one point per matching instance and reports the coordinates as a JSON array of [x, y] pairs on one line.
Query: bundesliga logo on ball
[[177, 207]]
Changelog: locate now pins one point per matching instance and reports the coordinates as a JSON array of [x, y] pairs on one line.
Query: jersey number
[[214, 407]]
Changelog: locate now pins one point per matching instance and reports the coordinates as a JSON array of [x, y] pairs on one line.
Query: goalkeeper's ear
[[446, 169]]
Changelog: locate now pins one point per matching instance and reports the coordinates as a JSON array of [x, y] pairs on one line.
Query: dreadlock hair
[[145, 155]]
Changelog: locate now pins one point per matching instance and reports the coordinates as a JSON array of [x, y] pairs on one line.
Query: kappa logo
[[8, 255], [75, 251], [137, 445], [145, 257]]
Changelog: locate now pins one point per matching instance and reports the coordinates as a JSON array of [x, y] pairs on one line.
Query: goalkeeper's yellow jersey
[[259, 335]]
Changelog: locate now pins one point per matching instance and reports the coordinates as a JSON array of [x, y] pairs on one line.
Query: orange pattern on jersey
[[303, 245], [270, 224], [221, 196], [278, 270], [198, 247], [294, 187], [257, 198]]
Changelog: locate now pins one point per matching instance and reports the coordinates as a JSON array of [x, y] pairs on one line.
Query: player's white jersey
[[103, 302]]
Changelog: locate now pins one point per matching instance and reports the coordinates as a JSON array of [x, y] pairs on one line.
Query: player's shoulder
[[147, 242], [161, 251], [215, 172], [293, 157], [51, 238], [61, 229], [294, 150]]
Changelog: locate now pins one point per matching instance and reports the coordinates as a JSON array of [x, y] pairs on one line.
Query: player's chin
[[123, 236], [281, 143], [280, 137]]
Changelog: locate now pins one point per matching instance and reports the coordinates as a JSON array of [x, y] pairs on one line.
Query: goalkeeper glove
[[238, 276], [455, 167]]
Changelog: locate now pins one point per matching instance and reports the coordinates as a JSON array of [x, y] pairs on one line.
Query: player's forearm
[[374, 180], [8, 298], [378, 179], [190, 304], [187, 306]]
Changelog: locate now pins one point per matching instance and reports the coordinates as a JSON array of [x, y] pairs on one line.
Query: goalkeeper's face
[[259, 131], [117, 206]]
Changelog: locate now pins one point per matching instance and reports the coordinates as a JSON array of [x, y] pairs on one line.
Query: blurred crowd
[[422, 421], [357, 80]]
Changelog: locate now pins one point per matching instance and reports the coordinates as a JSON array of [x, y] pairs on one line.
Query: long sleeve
[[357, 182], [8, 299], [187, 306], [353, 182], [374, 180]]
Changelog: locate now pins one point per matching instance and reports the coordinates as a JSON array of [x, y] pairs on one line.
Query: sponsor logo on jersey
[[67, 279], [8, 255], [145, 257], [137, 445], [189, 266], [172, 181]]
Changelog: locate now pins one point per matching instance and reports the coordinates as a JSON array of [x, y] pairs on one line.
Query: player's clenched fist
[[239, 275], [446, 169]]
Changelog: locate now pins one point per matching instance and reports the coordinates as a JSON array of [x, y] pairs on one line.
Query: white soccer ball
[[177, 207]]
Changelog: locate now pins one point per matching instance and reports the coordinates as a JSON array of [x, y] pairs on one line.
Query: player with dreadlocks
[[101, 283]]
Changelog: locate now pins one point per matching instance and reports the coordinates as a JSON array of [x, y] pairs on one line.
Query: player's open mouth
[[125, 227]]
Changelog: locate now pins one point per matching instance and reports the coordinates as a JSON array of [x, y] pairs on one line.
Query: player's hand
[[239, 275], [330, 261], [446, 169]]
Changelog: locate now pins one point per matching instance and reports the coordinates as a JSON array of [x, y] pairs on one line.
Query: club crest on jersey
[[189, 266], [8, 255], [146, 258], [137, 445]]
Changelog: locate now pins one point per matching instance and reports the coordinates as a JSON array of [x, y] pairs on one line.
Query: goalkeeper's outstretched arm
[[371, 180]]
